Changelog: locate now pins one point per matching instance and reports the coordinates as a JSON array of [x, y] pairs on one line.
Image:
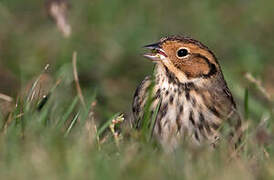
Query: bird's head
[[186, 58]]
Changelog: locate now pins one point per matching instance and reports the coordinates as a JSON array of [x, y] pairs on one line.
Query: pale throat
[[162, 67]]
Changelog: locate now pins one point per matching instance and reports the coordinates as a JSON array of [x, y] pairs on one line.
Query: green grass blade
[[68, 112], [147, 113], [153, 119], [73, 122]]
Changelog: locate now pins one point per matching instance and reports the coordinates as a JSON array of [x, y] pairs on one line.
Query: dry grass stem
[[19, 115], [258, 83], [76, 79], [6, 124], [90, 125], [6, 97]]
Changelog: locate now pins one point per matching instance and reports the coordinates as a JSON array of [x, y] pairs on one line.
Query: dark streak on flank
[[181, 108], [179, 92], [171, 99], [203, 97], [208, 130], [163, 110], [229, 96], [204, 123], [196, 136], [215, 126], [193, 101], [159, 126], [157, 94], [175, 90], [136, 107], [178, 122], [200, 126], [201, 118], [165, 123], [191, 118], [187, 95], [214, 111]]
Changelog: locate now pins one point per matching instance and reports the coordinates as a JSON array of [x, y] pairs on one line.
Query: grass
[[62, 139], [65, 121]]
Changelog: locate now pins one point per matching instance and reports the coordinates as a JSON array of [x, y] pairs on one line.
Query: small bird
[[190, 93]]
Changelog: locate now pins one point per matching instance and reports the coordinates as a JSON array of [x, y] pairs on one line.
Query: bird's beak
[[156, 54]]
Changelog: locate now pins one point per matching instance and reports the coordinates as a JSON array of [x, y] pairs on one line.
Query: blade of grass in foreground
[[147, 112], [84, 116], [68, 112], [153, 119], [73, 122]]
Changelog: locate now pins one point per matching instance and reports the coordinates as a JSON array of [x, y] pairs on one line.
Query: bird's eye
[[182, 53]]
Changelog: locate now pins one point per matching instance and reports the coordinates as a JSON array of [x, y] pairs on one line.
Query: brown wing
[[226, 107], [139, 100]]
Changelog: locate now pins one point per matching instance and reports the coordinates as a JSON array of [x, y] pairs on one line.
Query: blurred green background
[[60, 141], [108, 36]]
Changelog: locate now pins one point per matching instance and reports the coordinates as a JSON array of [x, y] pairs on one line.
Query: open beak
[[156, 54]]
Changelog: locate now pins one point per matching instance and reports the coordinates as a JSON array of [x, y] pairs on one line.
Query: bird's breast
[[183, 113]]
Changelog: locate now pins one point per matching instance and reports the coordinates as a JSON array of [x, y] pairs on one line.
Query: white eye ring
[[182, 53]]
